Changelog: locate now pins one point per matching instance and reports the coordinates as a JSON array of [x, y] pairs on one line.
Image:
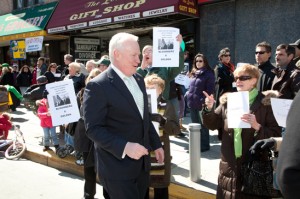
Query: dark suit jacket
[[112, 119], [288, 167]]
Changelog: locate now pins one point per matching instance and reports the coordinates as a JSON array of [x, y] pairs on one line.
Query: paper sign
[[152, 105], [18, 49], [237, 105], [165, 47], [183, 80], [281, 109], [34, 44], [62, 102]]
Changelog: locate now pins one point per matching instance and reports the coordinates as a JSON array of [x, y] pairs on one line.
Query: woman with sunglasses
[[53, 74], [201, 79], [237, 142], [224, 74]]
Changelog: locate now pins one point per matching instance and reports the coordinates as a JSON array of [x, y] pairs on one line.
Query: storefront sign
[[85, 13], [34, 44], [86, 48], [18, 49], [28, 20]]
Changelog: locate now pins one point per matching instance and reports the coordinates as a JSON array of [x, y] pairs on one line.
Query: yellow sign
[[18, 49], [23, 35]]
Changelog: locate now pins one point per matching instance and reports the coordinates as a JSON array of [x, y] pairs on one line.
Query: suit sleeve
[[288, 168]]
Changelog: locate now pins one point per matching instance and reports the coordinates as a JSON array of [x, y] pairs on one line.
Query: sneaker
[[79, 162], [46, 148]]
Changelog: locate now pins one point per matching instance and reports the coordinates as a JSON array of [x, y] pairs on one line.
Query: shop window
[[20, 4]]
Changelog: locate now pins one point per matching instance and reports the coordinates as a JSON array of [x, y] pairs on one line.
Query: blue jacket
[[202, 80]]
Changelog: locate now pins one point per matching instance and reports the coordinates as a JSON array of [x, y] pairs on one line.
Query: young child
[[5, 125], [46, 123]]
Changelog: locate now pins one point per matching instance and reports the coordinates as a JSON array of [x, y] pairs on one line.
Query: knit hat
[[103, 61], [42, 79], [5, 65]]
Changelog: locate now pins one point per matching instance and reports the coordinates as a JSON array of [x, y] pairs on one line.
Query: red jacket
[[5, 125], [42, 111]]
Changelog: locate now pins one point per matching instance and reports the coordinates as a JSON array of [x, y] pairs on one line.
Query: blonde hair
[[249, 69], [92, 74], [75, 65], [154, 79]]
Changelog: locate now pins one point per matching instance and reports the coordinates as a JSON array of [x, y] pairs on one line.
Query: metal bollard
[[195, 152]]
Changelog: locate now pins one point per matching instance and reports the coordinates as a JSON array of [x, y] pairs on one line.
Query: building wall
[[241, 24]]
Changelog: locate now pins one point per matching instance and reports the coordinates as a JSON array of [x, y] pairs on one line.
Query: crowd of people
[[115, 135]]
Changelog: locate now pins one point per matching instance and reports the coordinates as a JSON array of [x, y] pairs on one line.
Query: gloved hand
[[262, 145], [156, 117]]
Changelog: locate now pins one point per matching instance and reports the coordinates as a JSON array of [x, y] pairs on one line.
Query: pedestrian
[[75, 75], [201, 79], [224, 74], [263, 53], [44, 114], [103, 63], [168, 125], [24, 78], [117, 120], [52, 73], [236, 142], [84, 145]]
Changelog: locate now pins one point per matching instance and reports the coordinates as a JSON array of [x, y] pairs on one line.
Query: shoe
[[180, 135], [46, 148], [79, 162]]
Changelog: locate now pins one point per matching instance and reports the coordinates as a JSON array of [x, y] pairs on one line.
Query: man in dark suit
[[288, 167], [117, 121]]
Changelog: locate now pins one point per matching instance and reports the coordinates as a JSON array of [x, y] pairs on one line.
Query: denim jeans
[[204, 132], [69, 140], [50, 133]]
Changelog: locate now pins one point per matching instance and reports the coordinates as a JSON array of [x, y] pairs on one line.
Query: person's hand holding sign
[[209, 101]]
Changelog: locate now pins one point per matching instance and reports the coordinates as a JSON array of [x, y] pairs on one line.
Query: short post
[[195, 152]]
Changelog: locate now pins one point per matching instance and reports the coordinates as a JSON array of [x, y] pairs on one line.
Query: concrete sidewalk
[[181, 186]]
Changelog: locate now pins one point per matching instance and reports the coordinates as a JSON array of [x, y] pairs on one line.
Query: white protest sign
[[237, 105], [62, 102], [152, 105], [165, 47], [182, 80], [281, 109]]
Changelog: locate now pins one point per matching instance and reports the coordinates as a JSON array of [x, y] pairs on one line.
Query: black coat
[[51, 78], [24, 79], [265, 80], [35, 92]]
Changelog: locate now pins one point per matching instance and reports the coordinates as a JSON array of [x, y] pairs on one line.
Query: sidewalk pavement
[[181, 187]]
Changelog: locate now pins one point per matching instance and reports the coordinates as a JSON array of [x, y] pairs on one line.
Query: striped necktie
[[136, 93]]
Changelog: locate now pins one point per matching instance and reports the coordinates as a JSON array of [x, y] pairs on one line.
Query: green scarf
[[238, 148]]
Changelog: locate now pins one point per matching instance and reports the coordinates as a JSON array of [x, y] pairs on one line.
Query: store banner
[[34, 44], [18, 49]]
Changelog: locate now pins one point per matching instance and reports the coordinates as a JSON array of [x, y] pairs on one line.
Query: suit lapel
[[119, 84]]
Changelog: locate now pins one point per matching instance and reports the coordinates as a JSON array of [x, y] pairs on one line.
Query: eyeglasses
[[260, 52], [226, 55], [199, 61], [242, 78]]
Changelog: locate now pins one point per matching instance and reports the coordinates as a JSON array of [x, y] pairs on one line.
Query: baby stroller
[[68, 148]]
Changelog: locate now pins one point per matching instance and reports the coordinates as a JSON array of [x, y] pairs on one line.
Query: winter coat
[[24, 79], [287, 81], [35, 92], [78, 81], [5, 125], [224, 79], [42, 111], [51, 78], [229, 179], [7, 79], [202, 80], [265, 80]]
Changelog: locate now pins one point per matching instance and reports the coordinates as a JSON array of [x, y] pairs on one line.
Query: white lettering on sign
[[86, 47], [100, 21], [21, 24], [127, 17], [78, 40], [57, 29], [159, 11], [123, 6], [76, 26]]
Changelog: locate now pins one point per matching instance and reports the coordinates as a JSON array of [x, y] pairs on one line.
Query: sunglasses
[[226, 55], [242, 78], [199, 61], [260, 52]]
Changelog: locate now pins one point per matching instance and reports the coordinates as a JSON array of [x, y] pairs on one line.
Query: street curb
[[67, 164]]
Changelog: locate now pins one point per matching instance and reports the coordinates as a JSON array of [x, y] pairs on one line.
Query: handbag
[[257, 178]]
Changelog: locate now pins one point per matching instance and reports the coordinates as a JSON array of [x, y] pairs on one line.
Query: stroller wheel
[[61, 152]]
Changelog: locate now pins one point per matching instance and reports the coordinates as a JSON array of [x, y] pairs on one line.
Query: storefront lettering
[[83, 15], [158, 11], [123, 6], [192, 10], [87, 47], [20, 24], [183, 8], [92, 4]]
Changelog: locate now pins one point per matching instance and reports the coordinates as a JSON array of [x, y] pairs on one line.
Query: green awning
[[26, 20]]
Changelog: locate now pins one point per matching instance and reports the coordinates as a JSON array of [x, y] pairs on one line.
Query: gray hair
[[117, 42]]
